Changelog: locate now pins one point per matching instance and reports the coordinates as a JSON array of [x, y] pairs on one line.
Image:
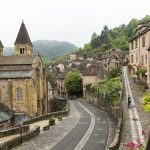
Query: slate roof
[[17, 60], [23, 36], [15, 74], [141, 33], [4, 115], [1, 45]]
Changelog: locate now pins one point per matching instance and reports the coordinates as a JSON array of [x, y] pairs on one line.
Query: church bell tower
[[23, 44]]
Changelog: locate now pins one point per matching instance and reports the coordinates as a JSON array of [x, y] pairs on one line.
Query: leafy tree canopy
[[117, 37], [73, 83]]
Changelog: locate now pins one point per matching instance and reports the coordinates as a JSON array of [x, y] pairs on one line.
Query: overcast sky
[[66, 20]]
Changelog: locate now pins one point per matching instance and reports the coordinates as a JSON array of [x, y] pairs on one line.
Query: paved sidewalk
[[144, 117]]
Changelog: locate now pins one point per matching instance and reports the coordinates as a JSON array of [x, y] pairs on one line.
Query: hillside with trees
[[49, 49], [117, 37]]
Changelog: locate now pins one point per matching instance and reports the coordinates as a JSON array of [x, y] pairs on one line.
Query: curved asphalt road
[[90, 133]]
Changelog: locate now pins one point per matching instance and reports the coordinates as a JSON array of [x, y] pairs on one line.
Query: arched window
[[22, 50], [19, 94], [143, 41], [146, 59], [142, 60]]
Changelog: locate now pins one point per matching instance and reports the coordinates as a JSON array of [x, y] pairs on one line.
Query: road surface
[[85, 129]]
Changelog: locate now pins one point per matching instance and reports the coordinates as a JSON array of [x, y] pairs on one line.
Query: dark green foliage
[[73, 83], [110, 88], [51, 79], [53, 49], [62, 58], [95, 42], [115, 72], [48, 49], [117, 37]]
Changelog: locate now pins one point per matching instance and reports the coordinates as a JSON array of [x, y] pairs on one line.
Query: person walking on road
[[129, 102]]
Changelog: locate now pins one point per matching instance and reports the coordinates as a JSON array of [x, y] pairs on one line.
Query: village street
[[85, 128]]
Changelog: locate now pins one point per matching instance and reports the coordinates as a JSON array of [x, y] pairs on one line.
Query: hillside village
[[30, 104], [92, 70]]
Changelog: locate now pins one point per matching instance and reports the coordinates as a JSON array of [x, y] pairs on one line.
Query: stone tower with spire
[[23, 44], [1, 48]]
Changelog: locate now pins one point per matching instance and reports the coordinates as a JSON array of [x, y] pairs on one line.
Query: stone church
[[23, 86]]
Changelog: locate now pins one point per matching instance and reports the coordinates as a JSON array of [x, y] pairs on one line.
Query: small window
[[142, 60], [136, 57], [22, 50], [19, 94], [132, 45], [143, 41], [132, 59], [146, 59], [136, 43]]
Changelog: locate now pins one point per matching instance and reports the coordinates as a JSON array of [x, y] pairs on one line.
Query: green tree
[[95, 42], [115, 72], [131, 28], [51, 79], [73, 83], [146, 99]]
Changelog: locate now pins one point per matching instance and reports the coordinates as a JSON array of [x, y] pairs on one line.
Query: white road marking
[[59, 138], [86, 136], [133, 113]]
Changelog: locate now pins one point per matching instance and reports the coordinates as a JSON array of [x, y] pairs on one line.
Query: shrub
[[146, 99], [73, 83], [141, 87], [115, 72]]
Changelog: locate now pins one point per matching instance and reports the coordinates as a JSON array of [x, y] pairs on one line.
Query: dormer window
[[22, 50]]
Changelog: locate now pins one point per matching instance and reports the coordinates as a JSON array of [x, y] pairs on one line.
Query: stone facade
[[140, 50], [113, 58], [23, 86]]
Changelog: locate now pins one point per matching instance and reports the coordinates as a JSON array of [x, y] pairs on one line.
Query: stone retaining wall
[[116, 142], [5, 124], [12, 131], [115, 111], [49, 115], [19, 140]]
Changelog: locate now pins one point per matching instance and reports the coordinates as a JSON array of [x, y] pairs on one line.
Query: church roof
[[4, 115], [17, 60], [23, 36], [1, 45], [15, 74]]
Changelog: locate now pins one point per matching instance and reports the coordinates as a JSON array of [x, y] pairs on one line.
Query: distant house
[[113, 58], [50, 96], [61, 84], [139, 53]]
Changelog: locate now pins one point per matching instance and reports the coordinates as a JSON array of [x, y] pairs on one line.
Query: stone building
[[140, 50], [23, 86], [113, 58]]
